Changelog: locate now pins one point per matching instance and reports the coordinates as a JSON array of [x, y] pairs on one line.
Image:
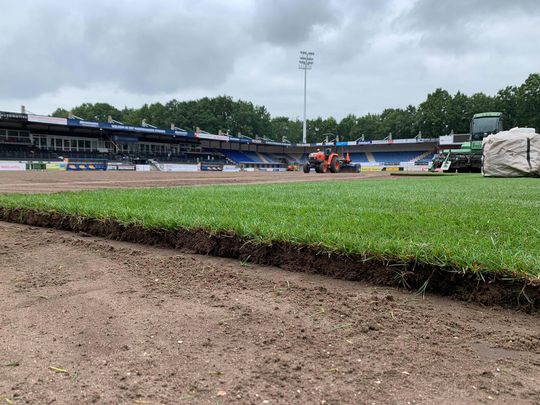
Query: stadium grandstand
[[45, 140]]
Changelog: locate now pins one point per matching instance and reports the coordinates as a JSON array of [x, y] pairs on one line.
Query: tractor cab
[[327, 152], [484, 124]]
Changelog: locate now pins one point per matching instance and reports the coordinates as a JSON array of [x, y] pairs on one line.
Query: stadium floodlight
[[25, 110], [264, 139], [73, 116], [111, 120], [333, 140], [175, 128], [147, 125], [304, 63]]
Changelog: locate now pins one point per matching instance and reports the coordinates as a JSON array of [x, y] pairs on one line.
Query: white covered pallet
[[514, 153]]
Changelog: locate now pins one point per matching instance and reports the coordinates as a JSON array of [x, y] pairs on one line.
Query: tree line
[[441, 113]]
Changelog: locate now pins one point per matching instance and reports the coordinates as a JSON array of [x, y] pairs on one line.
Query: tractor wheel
[[335, 165], [307, 168], [322, 168]]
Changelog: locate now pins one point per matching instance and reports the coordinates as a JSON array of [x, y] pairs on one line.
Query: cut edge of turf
[[503, 289], [422, 174]]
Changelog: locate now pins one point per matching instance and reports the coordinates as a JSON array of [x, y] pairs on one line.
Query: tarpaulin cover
[[514, 153]]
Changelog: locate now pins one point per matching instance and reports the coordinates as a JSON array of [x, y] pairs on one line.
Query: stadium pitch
[[417, 233], [50, 181], [161, 325]]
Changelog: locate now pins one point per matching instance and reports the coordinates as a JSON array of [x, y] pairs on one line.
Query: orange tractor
[[330, 161]]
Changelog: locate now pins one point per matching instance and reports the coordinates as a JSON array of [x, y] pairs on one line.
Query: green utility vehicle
[[468, 158]]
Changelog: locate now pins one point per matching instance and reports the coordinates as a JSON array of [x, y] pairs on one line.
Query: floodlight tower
[[304, 63]]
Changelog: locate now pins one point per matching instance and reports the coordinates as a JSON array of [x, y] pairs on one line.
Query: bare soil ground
[[84, 319], [43, 182]]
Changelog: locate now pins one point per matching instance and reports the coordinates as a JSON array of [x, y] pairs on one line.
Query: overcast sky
[[369, 55]]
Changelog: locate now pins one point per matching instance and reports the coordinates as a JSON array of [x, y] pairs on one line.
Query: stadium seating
[[291, 158], [245, 157], [25, 152], [358, 157], [396, 157], [260, 157], [221, 156], [427, 158], [237, 156]]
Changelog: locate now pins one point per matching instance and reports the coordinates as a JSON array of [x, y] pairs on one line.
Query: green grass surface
[[467, 222]]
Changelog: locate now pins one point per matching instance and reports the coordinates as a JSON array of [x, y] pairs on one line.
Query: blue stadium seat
[[396, 157], [358, 157], [427, 159], [237, 156]]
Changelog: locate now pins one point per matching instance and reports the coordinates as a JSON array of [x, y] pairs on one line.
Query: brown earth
[[89, 320], [43, 182]]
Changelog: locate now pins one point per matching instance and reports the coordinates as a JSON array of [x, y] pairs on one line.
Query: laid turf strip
[[465, 223]]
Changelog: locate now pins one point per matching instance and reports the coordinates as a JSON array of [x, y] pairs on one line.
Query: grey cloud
[[287, 22], [369, 55], [458, 26], [146, 49], [426, 14]]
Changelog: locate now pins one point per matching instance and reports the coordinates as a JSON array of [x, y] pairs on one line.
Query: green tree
[[400, 123], [285, 127], [507, 103], [528, 106], [96, 112], [459, 114], [345, 127], [368, 126], [320, 129], [439, 114], [434, 114], [479, 103], [60, 113]]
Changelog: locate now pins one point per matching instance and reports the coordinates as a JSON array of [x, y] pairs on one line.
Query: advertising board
[[47, 120], [16, 166]]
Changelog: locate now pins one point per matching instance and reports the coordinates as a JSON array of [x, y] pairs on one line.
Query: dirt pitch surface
[[86, 320], [44, 182]]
